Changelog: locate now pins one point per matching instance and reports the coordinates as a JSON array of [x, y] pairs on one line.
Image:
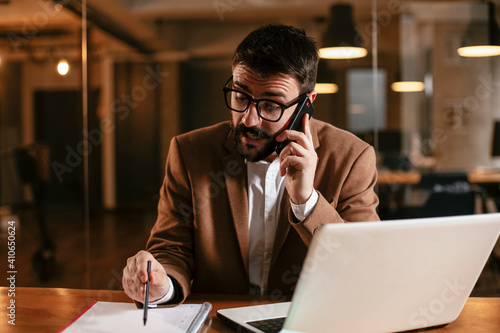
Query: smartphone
[[295, 122]]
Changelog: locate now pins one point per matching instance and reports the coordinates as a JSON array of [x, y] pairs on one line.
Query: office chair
[[450, 194], [32, 173]]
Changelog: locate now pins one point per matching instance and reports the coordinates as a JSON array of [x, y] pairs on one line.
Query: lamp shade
[[341, 39], [324, 81], [411, 85], [481, 45], [407, 86]]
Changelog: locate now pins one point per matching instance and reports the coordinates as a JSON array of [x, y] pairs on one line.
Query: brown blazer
[[201, 234]]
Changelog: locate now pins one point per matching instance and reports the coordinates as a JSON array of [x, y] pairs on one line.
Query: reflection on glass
[[363, 114]]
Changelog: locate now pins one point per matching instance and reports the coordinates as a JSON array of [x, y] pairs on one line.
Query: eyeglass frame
[[251, 100]]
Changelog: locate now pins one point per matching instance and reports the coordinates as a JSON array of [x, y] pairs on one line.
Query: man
[[233, 216]]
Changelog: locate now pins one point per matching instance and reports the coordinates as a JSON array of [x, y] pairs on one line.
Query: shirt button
[[270, 218], [268, 256]]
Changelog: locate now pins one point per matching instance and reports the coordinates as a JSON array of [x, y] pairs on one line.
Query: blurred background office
[[92, 91]]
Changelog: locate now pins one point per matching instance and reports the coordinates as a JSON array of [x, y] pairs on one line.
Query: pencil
[[146, 295]]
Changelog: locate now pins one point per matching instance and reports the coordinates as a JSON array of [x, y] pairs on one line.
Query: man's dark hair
[[280, 49]]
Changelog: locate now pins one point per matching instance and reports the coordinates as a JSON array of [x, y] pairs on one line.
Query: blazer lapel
[[236, 183], [283, 226]]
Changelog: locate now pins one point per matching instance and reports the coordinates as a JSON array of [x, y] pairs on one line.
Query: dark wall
[[58, 125], [137, 117], [202, 101]]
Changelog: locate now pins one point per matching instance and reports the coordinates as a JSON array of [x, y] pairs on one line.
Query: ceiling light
[[326, 88], [407, 86], [341, 39], [482, 45], [324, 81], [410, 84], [62, 67]]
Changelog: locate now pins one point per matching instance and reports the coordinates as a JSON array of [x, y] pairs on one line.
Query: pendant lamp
[[324, 82], [483, 45], [407, 85], [341, 39]]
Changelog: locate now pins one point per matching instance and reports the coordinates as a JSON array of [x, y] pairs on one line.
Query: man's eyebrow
[[274, 94], [267, 93], [242, 86]]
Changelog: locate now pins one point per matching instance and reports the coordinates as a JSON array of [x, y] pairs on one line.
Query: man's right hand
[[135, 277]]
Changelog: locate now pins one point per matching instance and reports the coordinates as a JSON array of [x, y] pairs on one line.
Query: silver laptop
[[386, 276]]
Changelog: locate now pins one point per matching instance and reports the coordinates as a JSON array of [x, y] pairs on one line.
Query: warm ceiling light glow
[[346, 52], [483, 45], [407, 86], [341, 39], [326, 88], [479, 51], [63, 67]]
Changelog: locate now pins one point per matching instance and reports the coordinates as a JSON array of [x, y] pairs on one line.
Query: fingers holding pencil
[[135, 276]]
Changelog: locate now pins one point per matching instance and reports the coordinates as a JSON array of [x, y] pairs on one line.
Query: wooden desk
[[413, 177], [51, 309], [399, 177]]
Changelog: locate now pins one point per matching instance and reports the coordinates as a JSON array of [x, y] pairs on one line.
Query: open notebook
[[386, 276], [104, 317]]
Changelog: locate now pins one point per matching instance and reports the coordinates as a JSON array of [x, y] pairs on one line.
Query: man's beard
[[257, 154]]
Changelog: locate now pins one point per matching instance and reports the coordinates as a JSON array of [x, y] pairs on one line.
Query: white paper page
[[106, 317]]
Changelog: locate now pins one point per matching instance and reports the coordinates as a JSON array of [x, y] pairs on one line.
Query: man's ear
[[312, 95]]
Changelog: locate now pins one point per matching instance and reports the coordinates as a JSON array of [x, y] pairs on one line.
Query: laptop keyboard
[[268, 325]]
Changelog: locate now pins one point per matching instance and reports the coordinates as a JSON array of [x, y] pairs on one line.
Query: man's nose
[[251, 117]]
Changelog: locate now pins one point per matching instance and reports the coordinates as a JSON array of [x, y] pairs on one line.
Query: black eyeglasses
[[267, 109]]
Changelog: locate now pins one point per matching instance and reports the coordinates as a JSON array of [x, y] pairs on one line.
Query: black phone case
[[295, 122]]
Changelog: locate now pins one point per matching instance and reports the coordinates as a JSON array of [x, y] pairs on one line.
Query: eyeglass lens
[[240, 102]]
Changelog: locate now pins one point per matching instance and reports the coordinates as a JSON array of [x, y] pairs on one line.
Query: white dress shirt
[[265, 191]]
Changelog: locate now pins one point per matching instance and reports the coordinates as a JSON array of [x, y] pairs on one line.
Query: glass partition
[[41, 147], [81, 166]]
